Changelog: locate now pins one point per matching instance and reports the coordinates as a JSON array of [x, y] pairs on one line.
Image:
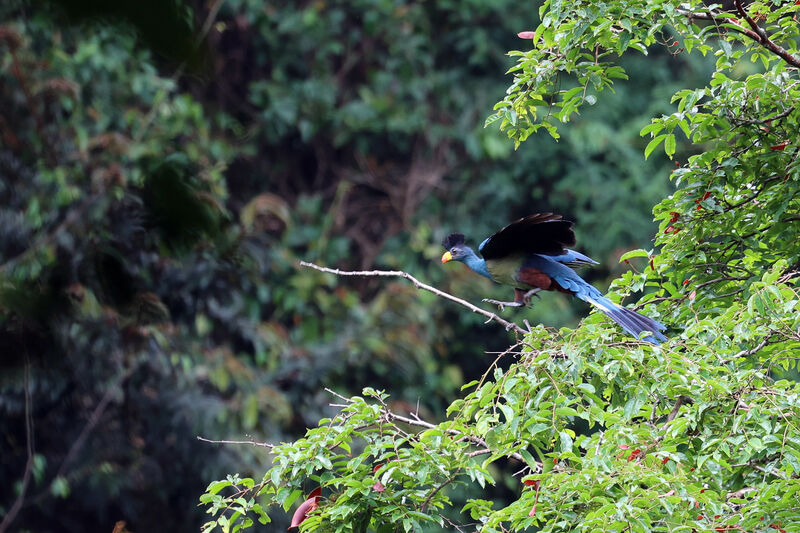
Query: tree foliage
[[606, 433], [163, 167]]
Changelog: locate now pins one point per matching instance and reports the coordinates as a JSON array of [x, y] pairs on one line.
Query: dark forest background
[[165, 165]]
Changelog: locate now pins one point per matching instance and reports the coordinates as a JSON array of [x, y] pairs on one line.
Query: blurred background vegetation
[[165, 165]]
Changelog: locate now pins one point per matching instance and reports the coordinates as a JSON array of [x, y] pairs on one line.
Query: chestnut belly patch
[[535, 278]]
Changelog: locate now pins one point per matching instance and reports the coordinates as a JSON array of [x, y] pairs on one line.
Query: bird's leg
[[526, 298], [519, 300]]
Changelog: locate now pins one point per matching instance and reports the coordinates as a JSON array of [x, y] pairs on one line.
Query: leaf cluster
[[699, 433]]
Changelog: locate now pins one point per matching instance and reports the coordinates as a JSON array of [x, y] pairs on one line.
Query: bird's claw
[[530, 294], [502, 305]]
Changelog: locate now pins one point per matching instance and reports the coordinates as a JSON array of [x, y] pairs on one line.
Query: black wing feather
[[541, 233]]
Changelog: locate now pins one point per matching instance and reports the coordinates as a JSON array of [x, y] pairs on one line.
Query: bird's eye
[[452, 250]]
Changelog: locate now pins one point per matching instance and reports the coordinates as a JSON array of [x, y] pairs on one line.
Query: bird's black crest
[[452, 240]]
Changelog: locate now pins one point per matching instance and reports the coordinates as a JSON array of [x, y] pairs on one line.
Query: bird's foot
[[503, 305], [526, 299]]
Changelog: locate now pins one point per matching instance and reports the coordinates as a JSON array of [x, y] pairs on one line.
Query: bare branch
[[419, 285], [748, 353], [251, 442], [678, 404], [739, 493]]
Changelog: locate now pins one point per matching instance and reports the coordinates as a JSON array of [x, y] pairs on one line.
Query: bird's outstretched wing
[[541, 233], [574, 259]]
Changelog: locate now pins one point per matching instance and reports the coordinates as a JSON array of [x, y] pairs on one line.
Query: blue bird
[[531, 255]]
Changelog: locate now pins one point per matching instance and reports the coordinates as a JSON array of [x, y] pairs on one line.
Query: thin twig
[[471, 438], [26, 477], [782, 114], [439, 487], [418, 422], [748, 353], [251, 442], [419, 285], [721, 278], [94, 418]]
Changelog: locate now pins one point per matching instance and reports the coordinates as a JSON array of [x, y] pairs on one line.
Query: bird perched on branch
[[531, 255]]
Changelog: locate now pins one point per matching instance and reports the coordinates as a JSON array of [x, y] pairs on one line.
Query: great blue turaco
[[531, 255]]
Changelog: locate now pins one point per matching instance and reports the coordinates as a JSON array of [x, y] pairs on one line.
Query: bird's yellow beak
[[447, 257]]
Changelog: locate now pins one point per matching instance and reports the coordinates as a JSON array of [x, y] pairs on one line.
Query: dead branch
[[250, 442], [419, 285]]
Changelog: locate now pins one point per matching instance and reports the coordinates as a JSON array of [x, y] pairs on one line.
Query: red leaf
[[651, 265], [705, 196], [526, 34], [532, 483], [780, 146], [664, 460], [378, 487], [623, 446], [375, 469], [306, 508], [685, 282]]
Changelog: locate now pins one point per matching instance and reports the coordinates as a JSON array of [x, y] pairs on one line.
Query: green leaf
[[633, 253], [566, 441], [653, 144], [217, 486], [669, 145]]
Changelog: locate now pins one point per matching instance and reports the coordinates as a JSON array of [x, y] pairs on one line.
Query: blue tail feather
[[631, 321]]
